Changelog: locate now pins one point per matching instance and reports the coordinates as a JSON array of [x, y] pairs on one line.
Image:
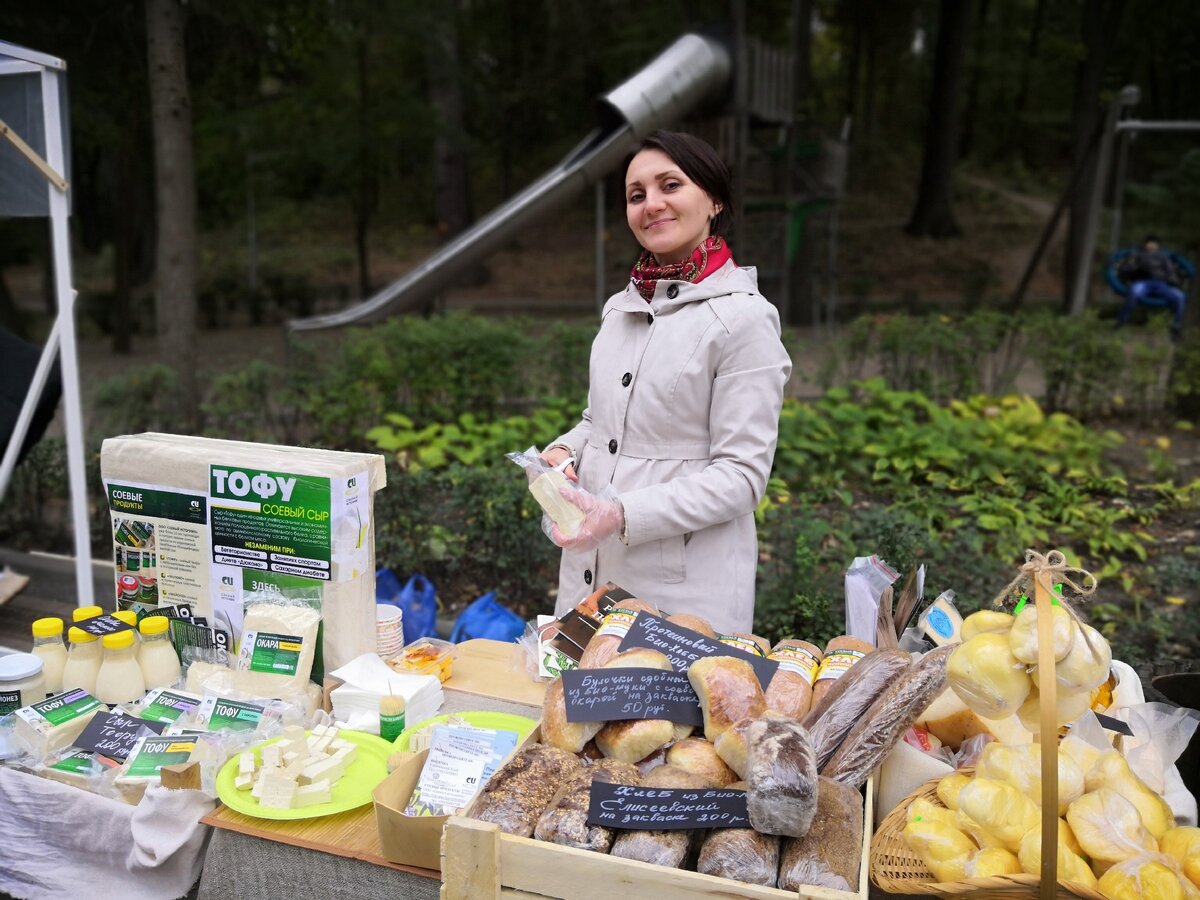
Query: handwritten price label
[[665, 809], [609, 695]]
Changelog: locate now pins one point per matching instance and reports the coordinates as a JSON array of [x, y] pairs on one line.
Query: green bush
[[470, 530]]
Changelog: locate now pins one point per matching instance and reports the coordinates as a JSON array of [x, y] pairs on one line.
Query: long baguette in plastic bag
[[850, 697], [888, 718]]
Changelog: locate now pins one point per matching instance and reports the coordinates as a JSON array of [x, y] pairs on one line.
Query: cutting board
[[491, 669]]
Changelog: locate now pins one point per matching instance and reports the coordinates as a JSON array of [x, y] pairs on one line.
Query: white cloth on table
[[60, 841]]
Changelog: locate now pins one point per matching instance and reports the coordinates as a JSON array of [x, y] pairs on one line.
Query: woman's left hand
[[601, 520]]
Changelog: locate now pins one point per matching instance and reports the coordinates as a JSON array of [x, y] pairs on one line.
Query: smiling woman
[[687, 374]]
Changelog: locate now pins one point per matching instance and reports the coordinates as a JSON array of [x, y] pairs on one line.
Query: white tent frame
[[16, 60]]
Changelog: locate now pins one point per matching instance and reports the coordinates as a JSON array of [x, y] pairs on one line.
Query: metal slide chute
[[689, 72]]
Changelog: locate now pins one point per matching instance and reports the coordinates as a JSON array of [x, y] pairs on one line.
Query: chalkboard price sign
[[609, 695], [682, 646], [113, 735], [665, 809], [102, 625]]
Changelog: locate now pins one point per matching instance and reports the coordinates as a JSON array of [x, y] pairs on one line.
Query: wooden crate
[[481, 861]]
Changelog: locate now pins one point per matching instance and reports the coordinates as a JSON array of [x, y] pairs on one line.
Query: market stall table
[[341, 855]]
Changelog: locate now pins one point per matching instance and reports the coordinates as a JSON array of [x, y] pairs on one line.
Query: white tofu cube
[[246, 763], [278, 792], [271, 755], [312, 794], [346, 754], [329, 769], [293, 769]]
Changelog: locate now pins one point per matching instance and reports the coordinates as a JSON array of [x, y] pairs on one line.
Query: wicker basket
[[898, 870]]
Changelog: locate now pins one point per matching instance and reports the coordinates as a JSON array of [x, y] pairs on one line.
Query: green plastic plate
[[496, 720], [351, 791]]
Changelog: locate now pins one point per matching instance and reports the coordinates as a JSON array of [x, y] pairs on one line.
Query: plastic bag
[[417, 598], [487, 618]]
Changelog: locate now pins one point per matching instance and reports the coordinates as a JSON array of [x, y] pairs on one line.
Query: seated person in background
[[1151, 273]]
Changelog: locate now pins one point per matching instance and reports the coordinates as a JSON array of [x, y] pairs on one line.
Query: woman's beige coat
[[682, 421]]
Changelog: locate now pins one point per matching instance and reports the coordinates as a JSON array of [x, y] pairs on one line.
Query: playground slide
[[688, 72]]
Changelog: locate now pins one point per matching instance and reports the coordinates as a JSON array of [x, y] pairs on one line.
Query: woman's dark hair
[[699, 162]]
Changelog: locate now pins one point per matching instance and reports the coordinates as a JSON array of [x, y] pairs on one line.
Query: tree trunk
[[367, 189], [802, 82], [174, 181], [967, 142], [125, 214], [934, 211], [452, 197], [1016, 128], [1098, 29]]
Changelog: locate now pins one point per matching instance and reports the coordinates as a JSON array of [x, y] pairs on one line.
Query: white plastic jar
[[21, 681], [48, 644], [120, 678], [160, 666], [83, 661]]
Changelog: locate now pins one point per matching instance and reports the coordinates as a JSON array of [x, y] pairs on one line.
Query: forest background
[[236, 164]]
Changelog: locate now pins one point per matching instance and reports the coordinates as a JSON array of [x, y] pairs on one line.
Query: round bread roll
[[728, 689], [655, 760], [732, 748], [699, 757], [693, 622], [556, 730], [634, 739]]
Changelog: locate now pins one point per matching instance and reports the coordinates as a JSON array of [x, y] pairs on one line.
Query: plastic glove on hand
[[601, 520], [560, 458]]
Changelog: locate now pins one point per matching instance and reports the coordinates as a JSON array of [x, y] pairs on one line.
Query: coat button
[[612, 446], [649, 318], [626, 378], [673, 291], [587, 576]]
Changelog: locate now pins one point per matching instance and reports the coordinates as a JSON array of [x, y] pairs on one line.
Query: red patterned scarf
[[705, 260]]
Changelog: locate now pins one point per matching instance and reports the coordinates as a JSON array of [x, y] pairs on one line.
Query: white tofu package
[[201, 525]]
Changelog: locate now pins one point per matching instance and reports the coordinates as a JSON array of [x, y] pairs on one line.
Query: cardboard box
[[414, 840]]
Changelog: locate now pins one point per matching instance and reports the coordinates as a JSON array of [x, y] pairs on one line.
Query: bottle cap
[[86, 612], [118, 641], [128, 616], [19, 666], [47, 627], [79, 636], [154, 625]]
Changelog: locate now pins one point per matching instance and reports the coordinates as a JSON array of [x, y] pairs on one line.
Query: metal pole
[[40, 375], [1083, 274], [68, 359], [1114, 233], [601, 292]]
